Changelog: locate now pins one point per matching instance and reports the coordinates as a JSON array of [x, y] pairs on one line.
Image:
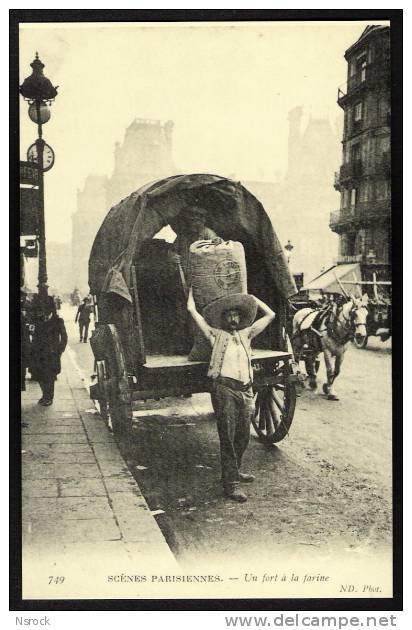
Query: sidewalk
[[80, 502]]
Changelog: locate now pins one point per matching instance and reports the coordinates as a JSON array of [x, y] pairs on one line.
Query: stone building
[[364, 178], [91, 208], [144, 155], [306, 192]]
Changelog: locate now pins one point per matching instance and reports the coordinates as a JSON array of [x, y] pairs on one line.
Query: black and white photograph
[[206, 308]]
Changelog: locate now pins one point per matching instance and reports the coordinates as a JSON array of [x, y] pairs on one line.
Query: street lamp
[[288, 248], [39, 92]]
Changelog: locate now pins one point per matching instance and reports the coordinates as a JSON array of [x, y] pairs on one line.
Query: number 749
[[56, 579]]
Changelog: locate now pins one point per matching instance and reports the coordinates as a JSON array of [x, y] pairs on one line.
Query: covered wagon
[[141, 342]]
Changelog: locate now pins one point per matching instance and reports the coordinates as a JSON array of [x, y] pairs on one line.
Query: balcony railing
[[351, 169], [362, 210], [359, 79], [356, 80]]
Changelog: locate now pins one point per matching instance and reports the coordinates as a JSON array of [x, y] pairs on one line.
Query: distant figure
[[58, 302], [76, 297], [83, 317], [49, 342]]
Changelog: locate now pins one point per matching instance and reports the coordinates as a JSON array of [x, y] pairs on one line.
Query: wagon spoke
[[262, 424], [270, 428], [276, 416], [280, 403]]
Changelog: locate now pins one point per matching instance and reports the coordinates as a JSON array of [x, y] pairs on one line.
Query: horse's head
[[356, 312]]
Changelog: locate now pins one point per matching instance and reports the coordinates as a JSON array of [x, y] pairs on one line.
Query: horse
[[328, 330]]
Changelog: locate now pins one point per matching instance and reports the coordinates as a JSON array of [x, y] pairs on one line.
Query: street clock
[[48, 156]]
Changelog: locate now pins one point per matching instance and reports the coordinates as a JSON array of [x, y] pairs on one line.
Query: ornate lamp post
[[39, 92], [288, 248]]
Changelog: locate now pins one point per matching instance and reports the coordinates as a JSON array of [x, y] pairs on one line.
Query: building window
[[356, 152], [346, 198], [382, 190], [353, 196], [363, 191], [358, 112], [350, 243], [363, 70]]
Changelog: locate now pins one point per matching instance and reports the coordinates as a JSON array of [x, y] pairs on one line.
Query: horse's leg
[[329, 371], [310, 369], [336, 372]]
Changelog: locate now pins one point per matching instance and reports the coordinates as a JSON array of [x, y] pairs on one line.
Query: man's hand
[[191, 306]]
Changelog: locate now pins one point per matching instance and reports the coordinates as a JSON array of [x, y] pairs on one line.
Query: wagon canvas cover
[[233, 213]]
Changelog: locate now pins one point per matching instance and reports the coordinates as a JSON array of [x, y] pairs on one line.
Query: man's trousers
[[234, 406], [47, 387], [83, 330]]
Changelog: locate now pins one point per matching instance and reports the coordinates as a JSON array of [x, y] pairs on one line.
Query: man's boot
[[232, 492]]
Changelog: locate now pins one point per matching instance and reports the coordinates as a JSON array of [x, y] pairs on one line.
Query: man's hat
[[242, 302], [44, 304]]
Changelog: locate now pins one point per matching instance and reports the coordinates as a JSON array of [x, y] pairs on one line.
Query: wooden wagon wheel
[[102, 400], [114, 396], [275, 407]]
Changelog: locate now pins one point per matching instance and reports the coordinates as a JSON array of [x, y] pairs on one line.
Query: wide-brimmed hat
[[242, 302]]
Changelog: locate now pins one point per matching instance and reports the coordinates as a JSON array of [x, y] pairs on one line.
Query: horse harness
[[349, 326], [331, 319]]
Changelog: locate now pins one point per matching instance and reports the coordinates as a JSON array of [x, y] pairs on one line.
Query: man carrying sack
[[228, 325]]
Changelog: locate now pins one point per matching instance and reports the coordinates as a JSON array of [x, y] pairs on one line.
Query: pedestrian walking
[[229, 326], [83, 317], [48, 344]]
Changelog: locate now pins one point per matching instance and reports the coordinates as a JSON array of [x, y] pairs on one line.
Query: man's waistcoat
[[219, 348]]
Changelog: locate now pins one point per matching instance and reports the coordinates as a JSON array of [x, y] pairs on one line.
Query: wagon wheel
[[102, 400], [114, 396], [361, 344], [274, 410]]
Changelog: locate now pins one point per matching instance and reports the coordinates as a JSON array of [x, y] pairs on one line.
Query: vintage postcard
[[206, 309]]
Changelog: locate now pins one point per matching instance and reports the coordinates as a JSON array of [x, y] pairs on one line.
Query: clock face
[[48, 156]]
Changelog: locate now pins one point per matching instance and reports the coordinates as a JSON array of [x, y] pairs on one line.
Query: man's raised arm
[[261, 323], [200, 321]]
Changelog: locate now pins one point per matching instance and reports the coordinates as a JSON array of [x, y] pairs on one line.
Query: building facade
[[144, 155], [364, 178], [91, 209], [306, 195]]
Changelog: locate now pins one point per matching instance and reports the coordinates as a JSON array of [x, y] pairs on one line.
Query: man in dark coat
[[49, 342], [83, 317]]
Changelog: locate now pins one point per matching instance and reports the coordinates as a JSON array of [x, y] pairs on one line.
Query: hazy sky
[[227, 87]]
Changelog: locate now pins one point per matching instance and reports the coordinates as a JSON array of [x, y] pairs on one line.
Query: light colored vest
[[219, 348]]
